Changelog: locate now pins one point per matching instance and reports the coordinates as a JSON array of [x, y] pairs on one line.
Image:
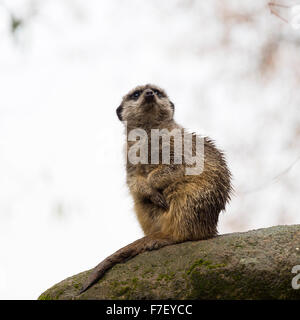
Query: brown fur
[[171, 206]]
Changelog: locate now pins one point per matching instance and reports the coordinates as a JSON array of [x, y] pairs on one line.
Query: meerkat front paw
[[158, 199]]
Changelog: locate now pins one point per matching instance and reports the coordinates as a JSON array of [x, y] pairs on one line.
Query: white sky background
[[64, 205]]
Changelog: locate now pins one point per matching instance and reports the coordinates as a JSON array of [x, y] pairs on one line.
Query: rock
[[252, 265]]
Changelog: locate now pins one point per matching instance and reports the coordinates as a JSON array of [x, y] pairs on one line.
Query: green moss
[[44, 297], [124, 288], [59, 293], [222, 284], [76, 285], [214, 266], [147, 271], [209, 287], [122, 291], [166, 277], [114, 284], [205, 263], [239, 246]]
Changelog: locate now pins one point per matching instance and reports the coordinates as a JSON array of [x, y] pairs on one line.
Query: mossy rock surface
[[251, 265]]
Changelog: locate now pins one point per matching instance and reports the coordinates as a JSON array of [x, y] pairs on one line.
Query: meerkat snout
[[145, 106], [149, 95]]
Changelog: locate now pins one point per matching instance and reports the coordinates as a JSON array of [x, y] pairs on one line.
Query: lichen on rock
[[251, 265]]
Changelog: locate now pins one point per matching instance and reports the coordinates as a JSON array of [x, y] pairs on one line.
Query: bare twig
[[273, 180], [273, 5]]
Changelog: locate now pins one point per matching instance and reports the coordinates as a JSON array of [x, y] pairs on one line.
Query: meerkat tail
[[151, 242]]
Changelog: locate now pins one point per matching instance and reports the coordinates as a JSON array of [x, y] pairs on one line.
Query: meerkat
[[171, 206]]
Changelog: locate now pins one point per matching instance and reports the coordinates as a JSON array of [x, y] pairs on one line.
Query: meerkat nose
[[149, 92], [149, 95]]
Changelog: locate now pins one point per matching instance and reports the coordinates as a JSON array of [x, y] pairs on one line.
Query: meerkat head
[[145, 105]]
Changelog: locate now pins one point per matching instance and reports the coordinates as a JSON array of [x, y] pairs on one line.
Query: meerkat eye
[[158, 93], [136, 94]]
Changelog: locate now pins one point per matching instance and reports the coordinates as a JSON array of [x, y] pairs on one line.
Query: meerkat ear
[[172, 106], [119, 112]]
